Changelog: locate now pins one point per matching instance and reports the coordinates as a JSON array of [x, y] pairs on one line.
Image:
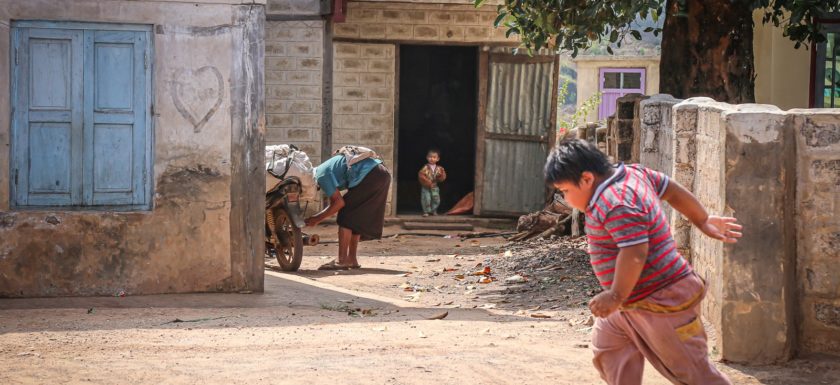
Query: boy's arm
[[725, 229], [628, 268], [441, 176]]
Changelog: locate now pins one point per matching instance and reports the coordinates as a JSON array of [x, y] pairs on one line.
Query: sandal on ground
[[333, 265], [356, 266]]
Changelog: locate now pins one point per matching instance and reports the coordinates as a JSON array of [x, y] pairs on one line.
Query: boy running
[[650, 306]]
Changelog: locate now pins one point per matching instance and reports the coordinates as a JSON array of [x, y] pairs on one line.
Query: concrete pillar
[[684, 157], [657, 137], [625, 128], [743, 162]]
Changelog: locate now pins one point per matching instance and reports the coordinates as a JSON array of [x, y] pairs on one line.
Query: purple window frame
[[609, 95]]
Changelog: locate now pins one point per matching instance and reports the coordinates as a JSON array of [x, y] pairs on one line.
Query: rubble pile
[[553, 272]]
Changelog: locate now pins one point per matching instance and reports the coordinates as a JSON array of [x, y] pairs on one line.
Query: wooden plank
[[396, 149], [555, 84], [520, 59], [483, 76], [419, 42], [76, 25], [437, 226], [327, 94], [552, 128], [517, 138]]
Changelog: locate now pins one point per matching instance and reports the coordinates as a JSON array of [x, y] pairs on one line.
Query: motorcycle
[[284, 237]]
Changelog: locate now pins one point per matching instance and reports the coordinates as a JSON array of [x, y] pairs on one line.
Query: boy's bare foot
[[425, 214]]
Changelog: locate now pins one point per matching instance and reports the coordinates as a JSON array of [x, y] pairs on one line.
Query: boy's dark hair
[[433, 150], [568, 161]]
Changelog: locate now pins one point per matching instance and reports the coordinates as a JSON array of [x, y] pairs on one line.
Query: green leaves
[[499, 18], [576, 25], [571, 25], [796, 17]]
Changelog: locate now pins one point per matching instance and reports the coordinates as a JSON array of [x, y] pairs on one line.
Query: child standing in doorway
[[430, 175]]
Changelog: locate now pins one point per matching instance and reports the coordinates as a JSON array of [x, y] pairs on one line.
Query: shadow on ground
[[288, 300]]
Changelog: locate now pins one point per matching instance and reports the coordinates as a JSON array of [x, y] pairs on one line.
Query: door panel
[[115, 124], [518, 127], [49, 168], [47, 122], [112, 153]]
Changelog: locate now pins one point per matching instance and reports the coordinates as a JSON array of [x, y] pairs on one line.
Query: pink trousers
[[666, 329]]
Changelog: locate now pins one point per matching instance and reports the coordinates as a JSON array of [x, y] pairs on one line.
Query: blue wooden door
[[115, 117], [81, 117], [47, 117]]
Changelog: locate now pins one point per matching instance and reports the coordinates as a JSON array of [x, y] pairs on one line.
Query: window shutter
[[47, 121], [116, 111]]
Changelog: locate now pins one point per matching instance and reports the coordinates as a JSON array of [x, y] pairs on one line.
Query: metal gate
[[517, 115]]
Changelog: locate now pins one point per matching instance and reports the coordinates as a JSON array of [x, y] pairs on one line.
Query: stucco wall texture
[[207, 60], [776, 292]]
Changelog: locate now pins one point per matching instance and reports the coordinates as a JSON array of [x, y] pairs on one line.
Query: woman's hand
[[724, 229], [312, 221]]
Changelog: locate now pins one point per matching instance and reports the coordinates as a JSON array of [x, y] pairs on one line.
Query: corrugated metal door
[[519, 109]]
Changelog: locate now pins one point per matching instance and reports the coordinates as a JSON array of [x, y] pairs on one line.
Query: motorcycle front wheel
[[286, 242]]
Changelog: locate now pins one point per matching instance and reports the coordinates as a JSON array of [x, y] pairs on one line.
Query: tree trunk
[[707, 50]]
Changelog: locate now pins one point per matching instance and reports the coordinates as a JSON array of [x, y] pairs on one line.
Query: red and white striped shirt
[[625, 211]]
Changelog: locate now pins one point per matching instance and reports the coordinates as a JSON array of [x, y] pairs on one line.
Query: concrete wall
[[776, 292], [296, 7], [294, 76], [624, 129], [204, 232], [656, 138], [421, 22], [742, 170], [818, 223], [588, 75], [783, 73]]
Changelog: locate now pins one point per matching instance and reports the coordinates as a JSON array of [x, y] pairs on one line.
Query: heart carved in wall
[[197, 94]]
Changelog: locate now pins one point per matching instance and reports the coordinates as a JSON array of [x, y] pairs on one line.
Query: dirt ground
[[367, 326]]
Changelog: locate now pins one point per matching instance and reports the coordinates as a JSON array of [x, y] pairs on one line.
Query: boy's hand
[[724, 229], [605, 303]]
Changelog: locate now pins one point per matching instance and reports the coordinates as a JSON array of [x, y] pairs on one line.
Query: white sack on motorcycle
[[282, 156]]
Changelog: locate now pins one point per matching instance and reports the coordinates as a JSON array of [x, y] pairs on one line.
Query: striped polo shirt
[[625, 211]]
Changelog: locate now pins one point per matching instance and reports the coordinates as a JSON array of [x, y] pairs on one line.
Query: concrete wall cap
[[661, 98], [751, 107], [632, 97], [815, 111], [707, 103], [611, 58]]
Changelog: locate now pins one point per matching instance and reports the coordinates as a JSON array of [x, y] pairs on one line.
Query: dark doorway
[[437, 109]]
